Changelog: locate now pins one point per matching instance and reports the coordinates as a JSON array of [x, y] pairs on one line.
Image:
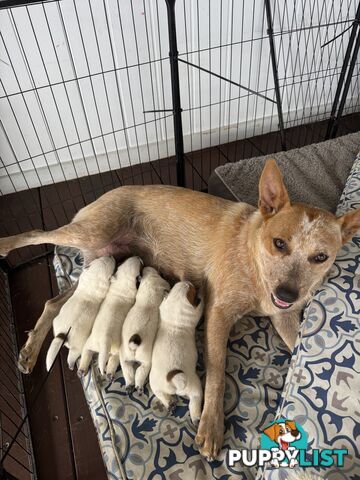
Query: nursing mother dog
[[266, 261]]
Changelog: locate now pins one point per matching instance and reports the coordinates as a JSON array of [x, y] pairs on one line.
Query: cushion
[[314, 174]]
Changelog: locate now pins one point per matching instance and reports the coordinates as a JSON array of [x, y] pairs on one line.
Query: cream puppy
[[78, 314], [173, 369], [140, 328], [105, 337]]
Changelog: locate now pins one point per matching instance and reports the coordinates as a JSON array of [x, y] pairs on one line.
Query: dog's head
[[99, 269], [283, 433], [152, 285], [182, 305], [297, 243], [127, 274]]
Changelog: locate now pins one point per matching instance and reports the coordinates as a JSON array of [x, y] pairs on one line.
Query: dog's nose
[[294, 433], [286, 294]]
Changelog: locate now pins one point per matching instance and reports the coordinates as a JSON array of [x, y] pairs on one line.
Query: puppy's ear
[[191, 295], [273, 195], [350, 224], [291, 424], [272, 432]]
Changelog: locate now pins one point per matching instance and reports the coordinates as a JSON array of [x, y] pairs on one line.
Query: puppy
[[78, 314], [140, 328], [105, 337], [283, 434], [173, 369]]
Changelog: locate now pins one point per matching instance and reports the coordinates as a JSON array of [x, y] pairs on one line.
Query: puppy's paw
[[172, 405], [210, 435], [195, 421], [81, 373], [130, 389], [140, 390], [110, 377]]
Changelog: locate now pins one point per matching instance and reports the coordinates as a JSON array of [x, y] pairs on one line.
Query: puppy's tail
[[104, 354], [134, 342], [177, 378], [54, 349]]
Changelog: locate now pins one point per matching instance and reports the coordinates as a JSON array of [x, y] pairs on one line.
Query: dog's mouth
[[284, 445], [280, 303]]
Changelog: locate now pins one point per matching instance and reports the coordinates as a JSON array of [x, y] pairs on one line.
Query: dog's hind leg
[[30, 351], [128, 372], [111, 367], [77, 234], [141, 375], [167, 400]]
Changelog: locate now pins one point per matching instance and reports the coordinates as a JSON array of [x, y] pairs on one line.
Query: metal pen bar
[[175, 89], [270, 33], [330, 132], [346, 86], [227, 80]]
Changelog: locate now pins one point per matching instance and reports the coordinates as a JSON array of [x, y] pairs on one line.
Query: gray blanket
[[313, 174]]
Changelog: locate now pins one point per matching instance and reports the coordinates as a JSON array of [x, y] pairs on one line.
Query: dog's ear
[[291, 424], [272, 432], [273, 195], [350, 224]]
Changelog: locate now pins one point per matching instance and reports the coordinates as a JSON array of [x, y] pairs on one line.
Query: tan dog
[[267, 260]]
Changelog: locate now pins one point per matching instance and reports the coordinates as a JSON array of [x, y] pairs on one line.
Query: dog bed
[[314, 174], [138, 439]]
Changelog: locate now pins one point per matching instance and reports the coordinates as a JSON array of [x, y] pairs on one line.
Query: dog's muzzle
[[280, 303]]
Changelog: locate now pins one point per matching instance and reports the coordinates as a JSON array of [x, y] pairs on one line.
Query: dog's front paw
[[110, 377], [27, 357], [130, 389], [210, 435]]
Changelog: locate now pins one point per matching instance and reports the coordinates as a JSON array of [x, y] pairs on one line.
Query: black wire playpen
[[106, 93]]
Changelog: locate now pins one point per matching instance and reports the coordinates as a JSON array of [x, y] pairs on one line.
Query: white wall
[[48, 101]]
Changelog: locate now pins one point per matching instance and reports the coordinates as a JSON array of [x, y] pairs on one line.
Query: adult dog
[[267, 260]]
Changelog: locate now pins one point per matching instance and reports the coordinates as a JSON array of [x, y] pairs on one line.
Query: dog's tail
[[177, 378], [134, 342], [54, 350], [104, 354]]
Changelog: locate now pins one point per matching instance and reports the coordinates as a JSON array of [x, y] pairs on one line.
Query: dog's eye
[[279, 244], [320, 258]]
